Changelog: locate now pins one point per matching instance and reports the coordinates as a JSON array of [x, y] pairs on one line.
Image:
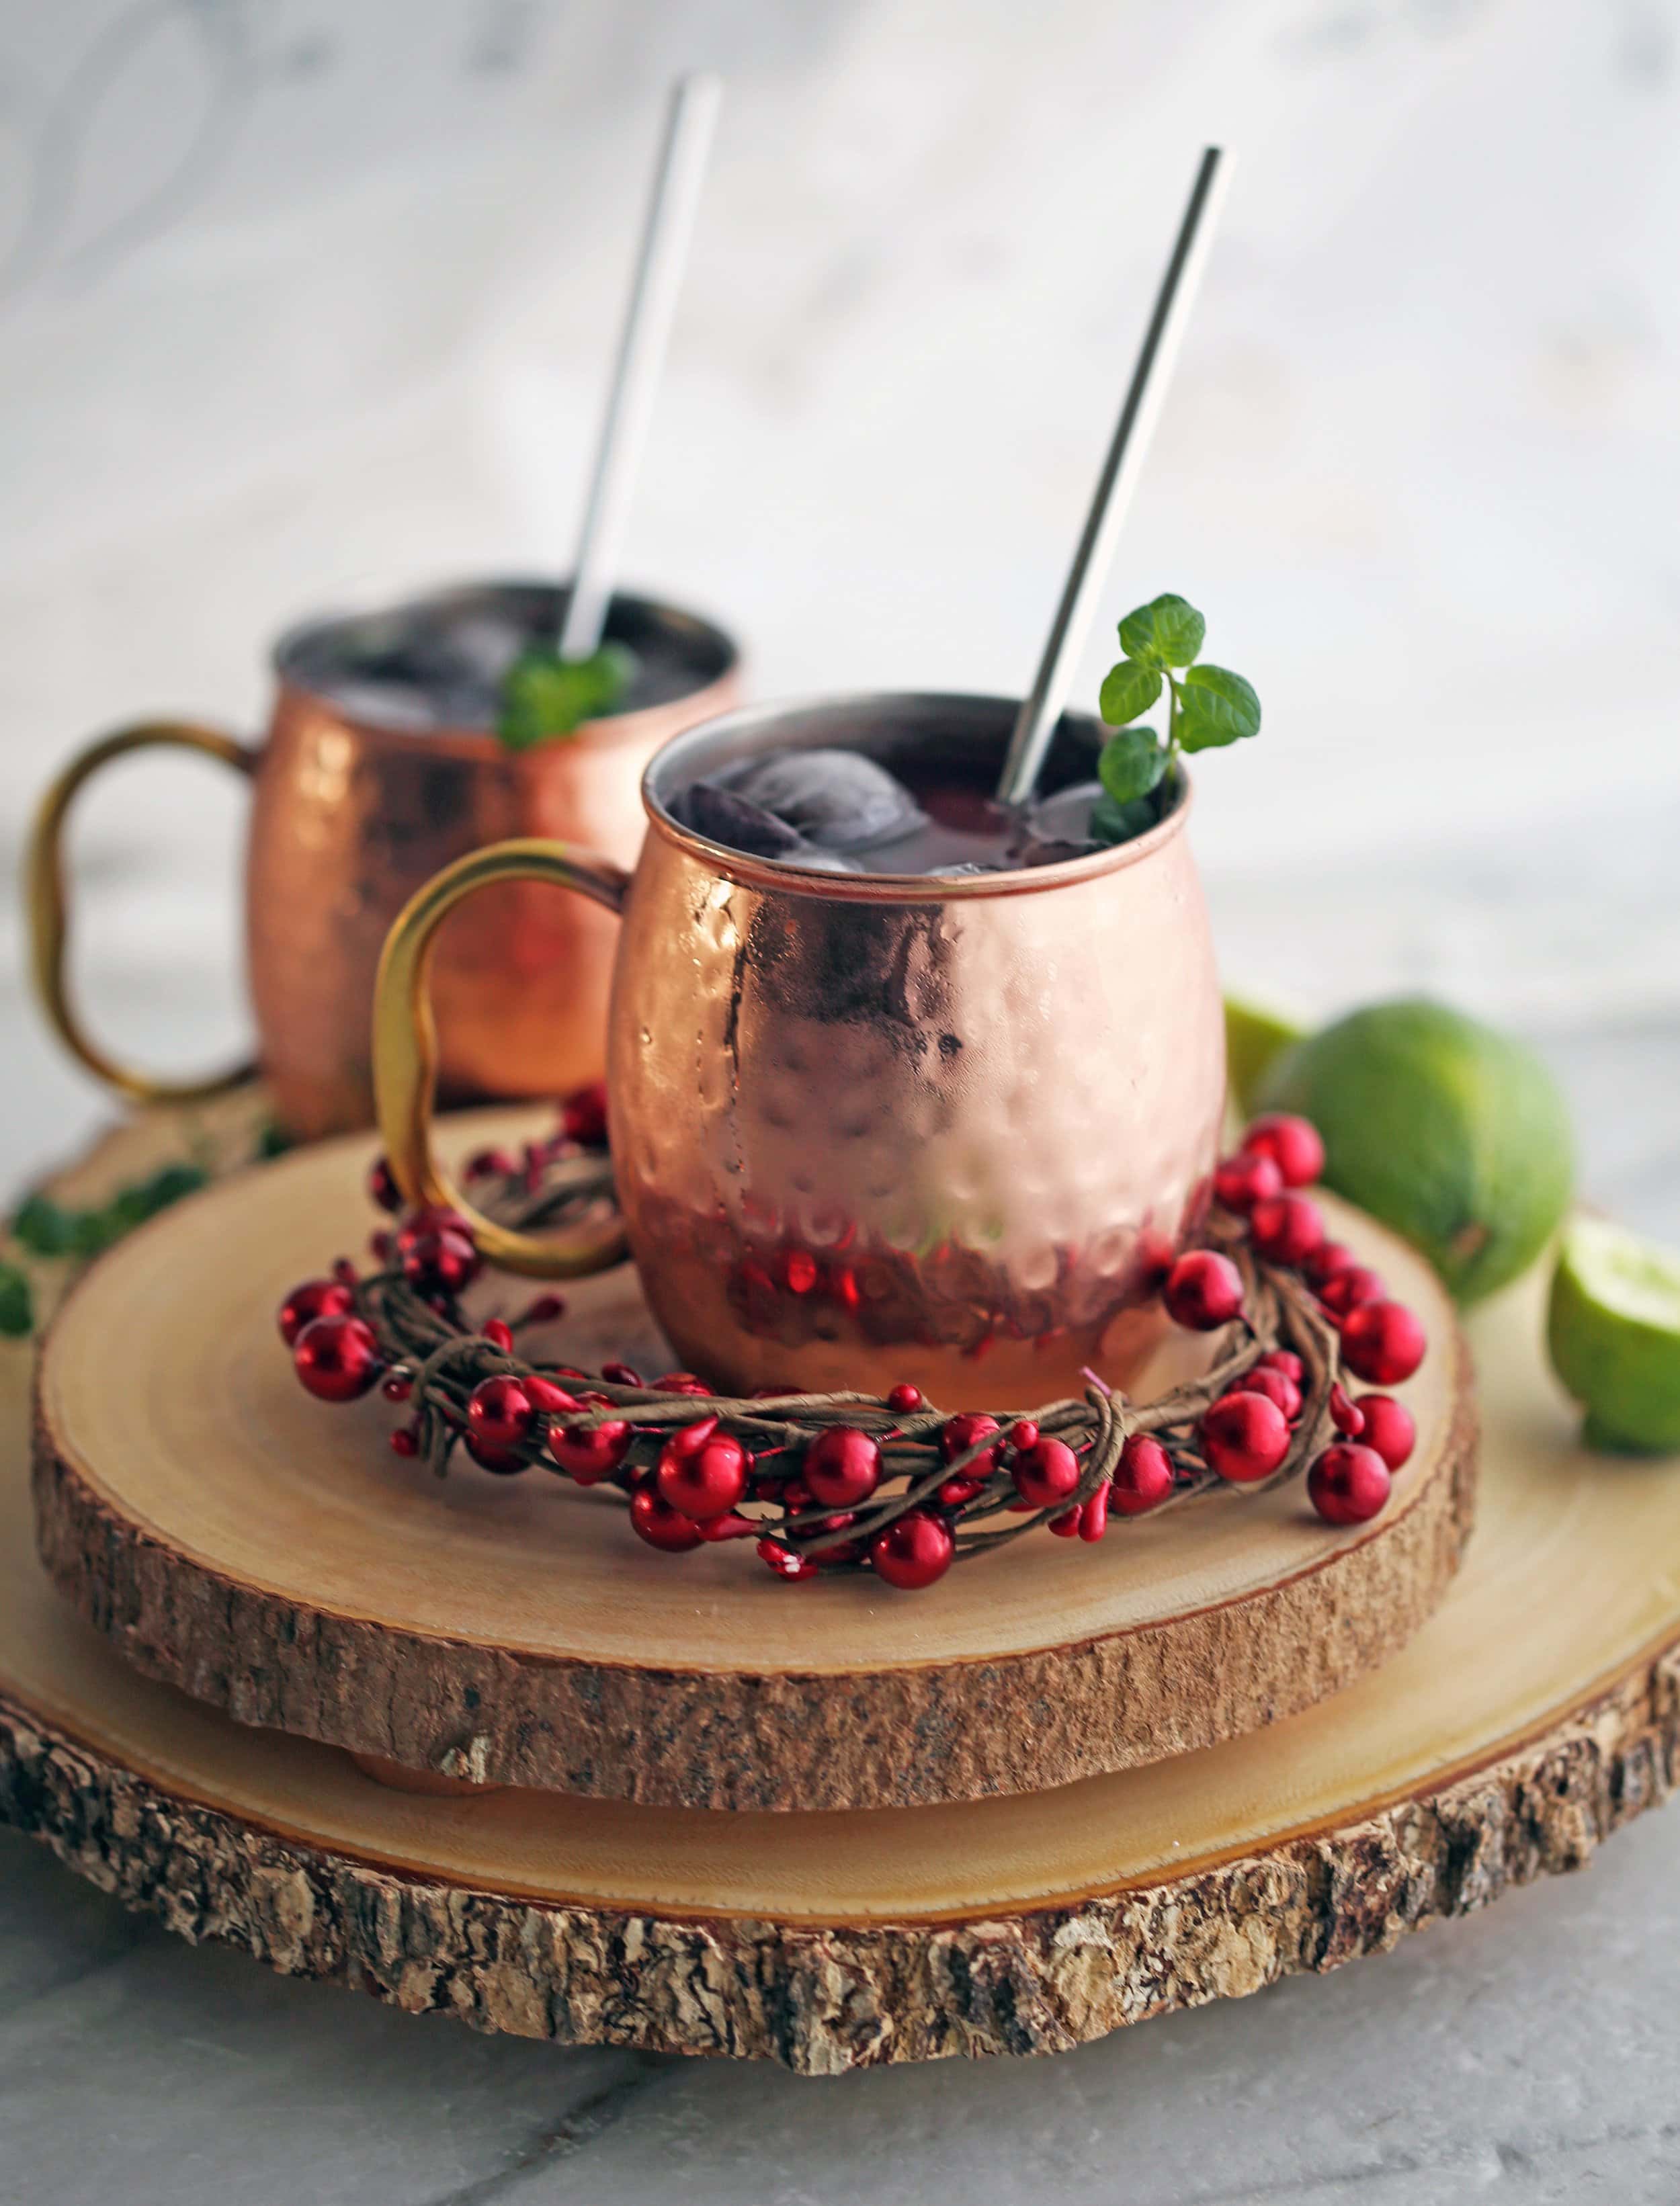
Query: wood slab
[[1538, 1711], [271, 1556]]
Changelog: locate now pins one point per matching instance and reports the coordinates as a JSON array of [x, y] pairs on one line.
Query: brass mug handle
[[49, 903], [405, 1046]]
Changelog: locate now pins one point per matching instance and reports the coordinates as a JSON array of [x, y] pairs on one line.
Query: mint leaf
[[17, 1306], [1215, 707], [1166, 632], [1131, 763], [1118, 823], [544, 695], [1129, 690], [43, 1227]]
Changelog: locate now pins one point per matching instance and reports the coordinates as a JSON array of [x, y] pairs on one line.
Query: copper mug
[[869, 1128], [353, 811]]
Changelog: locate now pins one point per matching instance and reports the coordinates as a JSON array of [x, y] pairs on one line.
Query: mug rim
[[705, 636], [776, 874]]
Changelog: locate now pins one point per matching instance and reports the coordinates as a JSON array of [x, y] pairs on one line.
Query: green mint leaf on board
[[17, 1305], [545, 695], [1128, 691], [1166, 632], [1131, 763], [1215, 707]]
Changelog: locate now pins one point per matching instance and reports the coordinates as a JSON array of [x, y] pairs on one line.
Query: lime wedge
[[1614, 1330], [1255, 1035]]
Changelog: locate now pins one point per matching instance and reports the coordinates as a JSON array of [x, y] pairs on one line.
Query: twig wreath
[[890, 1484]]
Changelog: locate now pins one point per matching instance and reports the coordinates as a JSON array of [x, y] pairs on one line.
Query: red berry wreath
[[890, 1484]]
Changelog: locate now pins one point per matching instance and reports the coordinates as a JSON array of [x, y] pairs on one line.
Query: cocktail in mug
[[945, 1122], [381, 763]]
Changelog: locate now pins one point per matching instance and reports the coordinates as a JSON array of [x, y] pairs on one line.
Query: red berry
[[681, 1382], [785, 1562], [1046, 1472], [589, 1456], [1327, 1259], [499, 1413], [1066, 1526], [498, 1334], [490, 1164], [653, 1519], [381, 1186], [545, 1310], [314, 1299], [1244, 1437], [1204, 1290], [1382, 1343], [344, 1272], [842, 1467], [583, 1115], [553, 1400], [958, 1493], [431, 1218], [689, 1439], [1094, 1515], [728, 1527], [397, 1385], [1241, 1182], [1349, 1483], [504, 1462], [1276, 1388], [1293, 1145], [1284, 1360], [1346, 1415], [336, 1358], [707, 1481], [622, 1374], [1345, 1290], [904, 1399], [912, 1552], [1389, 1428], [405, 1441], [959, 1434], [1024, 1435], [1286, 1228], [1143, 1476], [440, 1263]]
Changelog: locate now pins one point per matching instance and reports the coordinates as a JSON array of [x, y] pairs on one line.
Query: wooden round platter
[[271, 1557], [1537, 1710]]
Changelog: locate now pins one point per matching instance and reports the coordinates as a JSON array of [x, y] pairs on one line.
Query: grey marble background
[[303, 302]]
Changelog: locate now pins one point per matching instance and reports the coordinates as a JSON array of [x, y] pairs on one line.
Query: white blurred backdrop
[[304, 301]]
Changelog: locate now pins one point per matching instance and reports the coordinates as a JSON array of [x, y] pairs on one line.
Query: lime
[[1255, 1035], [1613, 1329], [1455, 1135]]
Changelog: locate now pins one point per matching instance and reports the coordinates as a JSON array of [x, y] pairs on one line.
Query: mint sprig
[[1208, 706], [544, 695]]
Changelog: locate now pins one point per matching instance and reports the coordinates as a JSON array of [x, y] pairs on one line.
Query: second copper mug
[[874, 1128], [355, 807]]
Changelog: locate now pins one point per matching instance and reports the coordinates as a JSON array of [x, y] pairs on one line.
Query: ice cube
[[840, 800], [1066, 816], [725, 817]]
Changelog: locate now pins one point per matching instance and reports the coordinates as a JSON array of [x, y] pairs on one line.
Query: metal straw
[[1036, 721], [641, 351]]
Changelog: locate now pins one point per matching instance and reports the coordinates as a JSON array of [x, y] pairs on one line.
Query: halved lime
[[1613, 1329]]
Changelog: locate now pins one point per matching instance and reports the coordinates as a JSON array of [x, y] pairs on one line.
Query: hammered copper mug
[[870, 1128], [353, 811]]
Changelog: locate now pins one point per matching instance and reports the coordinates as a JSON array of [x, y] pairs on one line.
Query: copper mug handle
[[49, 903], [405, 1046]]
